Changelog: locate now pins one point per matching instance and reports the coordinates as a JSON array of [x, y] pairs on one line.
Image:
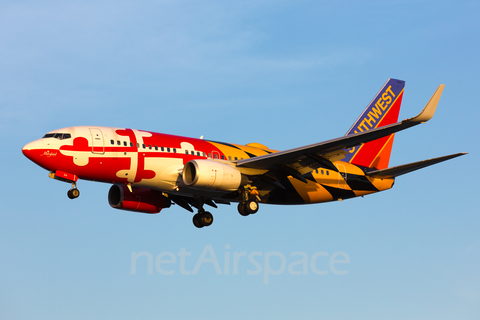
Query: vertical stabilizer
[[382, 110]]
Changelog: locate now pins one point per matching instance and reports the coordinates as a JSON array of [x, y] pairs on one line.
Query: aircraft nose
[[29, 149]]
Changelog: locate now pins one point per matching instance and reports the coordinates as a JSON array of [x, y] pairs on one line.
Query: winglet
[[429, 110]]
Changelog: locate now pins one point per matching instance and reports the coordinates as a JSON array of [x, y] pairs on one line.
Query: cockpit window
[[59, 136]]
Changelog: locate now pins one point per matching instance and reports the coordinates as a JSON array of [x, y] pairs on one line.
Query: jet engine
[[139, 200], [212, 175]]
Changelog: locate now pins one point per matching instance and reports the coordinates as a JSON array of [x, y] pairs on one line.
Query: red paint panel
[[66, 176]]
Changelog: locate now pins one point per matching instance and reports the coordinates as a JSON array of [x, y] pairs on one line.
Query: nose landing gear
[[66, 177]]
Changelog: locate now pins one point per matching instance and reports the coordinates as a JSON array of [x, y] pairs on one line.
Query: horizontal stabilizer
[[406, 168]]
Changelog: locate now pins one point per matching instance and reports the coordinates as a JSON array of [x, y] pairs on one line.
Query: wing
[[297, 161]]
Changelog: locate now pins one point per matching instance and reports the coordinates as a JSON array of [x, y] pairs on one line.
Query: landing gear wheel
[[197, 220], [73, 193], [206, 218], [202, 219], [241, 209], [251, 206]]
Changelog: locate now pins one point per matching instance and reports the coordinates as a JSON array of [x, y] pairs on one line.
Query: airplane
[[150, 171]]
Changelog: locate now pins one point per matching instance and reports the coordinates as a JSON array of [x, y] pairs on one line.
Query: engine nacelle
[[139, 200], [210, 174]]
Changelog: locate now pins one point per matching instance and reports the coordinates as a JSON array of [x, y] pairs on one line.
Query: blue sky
[[282, 73]]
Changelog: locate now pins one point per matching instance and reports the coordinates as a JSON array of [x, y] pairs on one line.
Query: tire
[[75, 193], [207, 219], [197, 221], [241, 209]]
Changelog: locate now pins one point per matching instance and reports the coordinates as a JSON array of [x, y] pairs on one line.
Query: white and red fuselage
[[149, 170], [157, 161]]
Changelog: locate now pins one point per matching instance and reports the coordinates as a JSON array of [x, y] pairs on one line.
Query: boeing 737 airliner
[[151, 171]]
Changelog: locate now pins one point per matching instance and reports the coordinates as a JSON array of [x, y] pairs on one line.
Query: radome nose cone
[[26, 150], [30, 147]]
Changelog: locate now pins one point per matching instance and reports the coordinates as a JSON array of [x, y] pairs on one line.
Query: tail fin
[[382, 111]]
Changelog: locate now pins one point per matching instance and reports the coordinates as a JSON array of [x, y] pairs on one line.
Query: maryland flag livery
[[151, 171]]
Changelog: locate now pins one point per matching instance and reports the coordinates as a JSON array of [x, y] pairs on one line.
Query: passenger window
[[138, 145], [198, 153], [131, 144], [174, 150], [328, 173], [168, 149], [156, 148], [321, 171], [143, 145], [209, 155], [112, 142], [223, 157], [161, 148], [118, 142], [186, 151], [150, 146], [236, 158], [192, 153], [125, 143], [230, 158], [316, 170], [215, 156]]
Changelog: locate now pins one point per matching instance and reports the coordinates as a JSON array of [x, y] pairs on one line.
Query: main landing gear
[[249, 205], [74, 192], [202, 218], [246, 208]]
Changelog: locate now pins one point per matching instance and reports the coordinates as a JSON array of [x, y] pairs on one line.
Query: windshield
[[59, 136]]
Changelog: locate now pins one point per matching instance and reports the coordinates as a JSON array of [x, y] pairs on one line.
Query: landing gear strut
[[74, 192]]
